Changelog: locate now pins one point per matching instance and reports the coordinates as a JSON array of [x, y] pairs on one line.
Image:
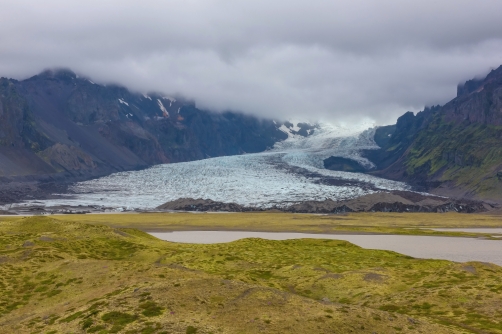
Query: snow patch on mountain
[[124, 102], [162, 108], [292, 128], [286, 130]]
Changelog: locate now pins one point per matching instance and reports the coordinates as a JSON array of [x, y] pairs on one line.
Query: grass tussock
[[392, 223], [90, 278]]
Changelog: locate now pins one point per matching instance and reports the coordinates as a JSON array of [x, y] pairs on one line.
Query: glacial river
[[445, 248]]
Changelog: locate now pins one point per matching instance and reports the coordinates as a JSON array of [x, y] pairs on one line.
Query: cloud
[[317, 59]]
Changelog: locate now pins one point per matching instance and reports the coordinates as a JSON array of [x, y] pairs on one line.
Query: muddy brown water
[[426, 247], [497, 230]]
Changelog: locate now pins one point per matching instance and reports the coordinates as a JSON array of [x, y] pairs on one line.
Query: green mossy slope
[[469, 156], [455, 149], [62, 276]]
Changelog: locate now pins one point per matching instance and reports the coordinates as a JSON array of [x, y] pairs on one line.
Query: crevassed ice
[[328, 140], [267, 179]]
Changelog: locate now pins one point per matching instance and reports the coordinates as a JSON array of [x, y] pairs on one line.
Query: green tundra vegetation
[[378, 222], [468, 156], [74, 274]]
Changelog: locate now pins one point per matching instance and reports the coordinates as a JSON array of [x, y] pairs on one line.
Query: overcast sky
[[316, 59]]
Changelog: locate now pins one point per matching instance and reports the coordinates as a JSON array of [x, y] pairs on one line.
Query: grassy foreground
[[388, 223], [65, 276]]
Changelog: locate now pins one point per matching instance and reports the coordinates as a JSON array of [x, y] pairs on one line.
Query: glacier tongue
[[328, 140], [291, 172]]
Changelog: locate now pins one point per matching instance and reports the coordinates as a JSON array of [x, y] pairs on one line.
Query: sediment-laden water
[[426, 247]]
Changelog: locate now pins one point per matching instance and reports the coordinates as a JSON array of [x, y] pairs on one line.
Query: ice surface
[[291, 172], [328, 140]]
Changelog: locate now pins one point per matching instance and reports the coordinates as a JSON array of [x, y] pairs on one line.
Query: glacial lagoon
[[427, 247]]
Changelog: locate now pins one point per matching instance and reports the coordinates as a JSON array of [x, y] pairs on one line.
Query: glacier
[[290, 172]]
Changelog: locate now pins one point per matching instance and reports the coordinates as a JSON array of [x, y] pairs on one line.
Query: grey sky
[[332, 60]]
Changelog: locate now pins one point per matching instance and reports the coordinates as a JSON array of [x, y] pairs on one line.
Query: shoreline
[[419, 224]]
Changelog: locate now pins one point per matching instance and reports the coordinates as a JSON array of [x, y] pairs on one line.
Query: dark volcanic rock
[[326, 206], [478, 101], [343, 164], [394, 140], [453, 150], [57, 125], [455, 206], [190, 204], [379, 202]]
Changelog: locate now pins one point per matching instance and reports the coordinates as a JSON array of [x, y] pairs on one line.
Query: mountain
[[58, 124], [453, 150]]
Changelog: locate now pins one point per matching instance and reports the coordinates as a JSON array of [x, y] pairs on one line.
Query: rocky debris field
[[398, 201]]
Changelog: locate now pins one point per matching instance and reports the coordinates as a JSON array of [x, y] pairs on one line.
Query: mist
[[335, 61]]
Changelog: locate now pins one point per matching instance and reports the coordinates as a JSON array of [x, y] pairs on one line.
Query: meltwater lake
[[445, 248]]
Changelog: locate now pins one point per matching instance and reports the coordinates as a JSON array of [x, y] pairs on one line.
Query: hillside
[[59, 276], [453, 150], [59, 124]]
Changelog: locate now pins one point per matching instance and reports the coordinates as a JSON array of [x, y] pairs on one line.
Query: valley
[[250, 167], [291, 172], [130, 151], [125, 165]]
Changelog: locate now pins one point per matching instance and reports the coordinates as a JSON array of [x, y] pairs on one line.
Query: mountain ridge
[[59, 123], [452, 150], [59, 127]]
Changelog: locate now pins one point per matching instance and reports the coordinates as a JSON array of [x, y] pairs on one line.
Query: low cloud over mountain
[[331, 60]]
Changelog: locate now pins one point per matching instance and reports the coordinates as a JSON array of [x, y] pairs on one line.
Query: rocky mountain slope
[[59, 126], [62, 125], [453, 150]]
